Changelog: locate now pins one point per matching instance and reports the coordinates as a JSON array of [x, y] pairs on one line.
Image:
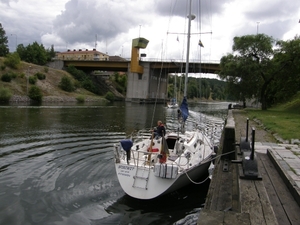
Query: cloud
[[110, 25]]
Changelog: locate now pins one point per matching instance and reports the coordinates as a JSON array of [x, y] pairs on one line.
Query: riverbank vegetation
[[282, 119], [24, 81], [198, 88], [262, 68]]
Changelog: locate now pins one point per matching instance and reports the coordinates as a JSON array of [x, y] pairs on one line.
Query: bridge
[[165, 66], [147, 81]]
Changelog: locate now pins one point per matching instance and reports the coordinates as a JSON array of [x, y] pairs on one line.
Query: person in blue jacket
[[160, 130]]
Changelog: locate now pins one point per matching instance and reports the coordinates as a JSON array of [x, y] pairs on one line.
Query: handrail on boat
[[137, 157]]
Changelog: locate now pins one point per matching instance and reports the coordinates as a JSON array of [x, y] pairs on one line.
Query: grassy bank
[[283, 119], [50, 86]]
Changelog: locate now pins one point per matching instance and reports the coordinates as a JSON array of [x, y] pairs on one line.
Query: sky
[[110, 25]]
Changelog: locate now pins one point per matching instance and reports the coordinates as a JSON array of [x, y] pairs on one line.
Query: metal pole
[[253, 141], [247, 127], [188, 49]]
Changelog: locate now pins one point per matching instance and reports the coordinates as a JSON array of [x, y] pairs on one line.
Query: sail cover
[[126, 144], [184, 109]]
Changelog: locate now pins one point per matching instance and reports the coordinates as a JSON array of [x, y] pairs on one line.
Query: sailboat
[[173, 103], [152, 167]]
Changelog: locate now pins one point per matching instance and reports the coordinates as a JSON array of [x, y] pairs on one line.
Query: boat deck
[[272, 198]]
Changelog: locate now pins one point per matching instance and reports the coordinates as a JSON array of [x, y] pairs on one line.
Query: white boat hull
[[173, 106], [145, 177], [157, 186]]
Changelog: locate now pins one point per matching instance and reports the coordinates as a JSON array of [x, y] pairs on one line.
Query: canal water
[[57, 166]]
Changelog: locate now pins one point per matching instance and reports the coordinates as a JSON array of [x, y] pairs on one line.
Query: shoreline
[[52, 99]]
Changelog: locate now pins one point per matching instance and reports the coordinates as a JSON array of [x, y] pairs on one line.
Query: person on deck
[[160, 130]]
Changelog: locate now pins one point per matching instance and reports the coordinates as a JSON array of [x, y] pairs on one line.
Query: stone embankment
[[24, 98]]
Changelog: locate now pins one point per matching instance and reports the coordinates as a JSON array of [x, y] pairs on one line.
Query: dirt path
[[240, 119]]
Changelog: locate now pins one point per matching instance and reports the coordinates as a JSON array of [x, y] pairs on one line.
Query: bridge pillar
[[148, 87]]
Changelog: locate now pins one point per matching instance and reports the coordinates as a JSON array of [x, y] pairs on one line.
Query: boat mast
[[190, 17]]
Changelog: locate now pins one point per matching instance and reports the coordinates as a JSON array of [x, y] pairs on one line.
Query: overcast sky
[[110, 25]]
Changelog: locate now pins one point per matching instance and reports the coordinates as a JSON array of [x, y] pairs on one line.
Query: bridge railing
[[175, 60]]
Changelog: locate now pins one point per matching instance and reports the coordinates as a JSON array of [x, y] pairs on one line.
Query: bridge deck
[[123, 66]]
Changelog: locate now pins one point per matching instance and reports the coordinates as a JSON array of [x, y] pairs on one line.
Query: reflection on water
[[57, 166]]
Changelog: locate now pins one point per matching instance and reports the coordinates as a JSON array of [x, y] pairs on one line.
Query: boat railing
[[143, 158]]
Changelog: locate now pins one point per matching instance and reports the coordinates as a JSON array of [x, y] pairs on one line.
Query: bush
[[80, 99], [88, 85], [40, 76], [12, 60], [13, 75], [110, 96], [46, 69], [66, 84], [35, 93], [3, 67], [5, 94], [32, 79], [77, 84], [6, 77]]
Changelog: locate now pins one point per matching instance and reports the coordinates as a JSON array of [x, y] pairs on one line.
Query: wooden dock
[[272, 197]]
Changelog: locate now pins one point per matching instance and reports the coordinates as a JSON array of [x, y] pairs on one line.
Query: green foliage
[[5, 94], [89, 85], [32, 79], [85, 81], [50, 54], [77, 84], [3, 67], [33, 53], [120, 82], [110, 96], [279, 120], [6, 77], [40, 76], [66, 84], [77, 74], [46, 69], [4, 50], [80, 99], [35, 93], [256, 69], [203, 88], [12, 60], [13, 75]]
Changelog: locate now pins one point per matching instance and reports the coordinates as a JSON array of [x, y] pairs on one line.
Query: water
[[57, 166]]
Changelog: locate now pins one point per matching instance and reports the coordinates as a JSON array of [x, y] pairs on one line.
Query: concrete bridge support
[[148, 87]]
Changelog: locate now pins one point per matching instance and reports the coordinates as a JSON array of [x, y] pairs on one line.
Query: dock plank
[[273, 197], [282, 200], [250, 201]]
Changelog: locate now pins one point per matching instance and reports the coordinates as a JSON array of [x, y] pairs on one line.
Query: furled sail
[[184, 109]]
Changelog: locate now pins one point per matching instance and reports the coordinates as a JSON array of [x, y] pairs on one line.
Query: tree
[[287, 83], [263, 68], [50, 53], [4, 50], [251, 70], [33, 53]]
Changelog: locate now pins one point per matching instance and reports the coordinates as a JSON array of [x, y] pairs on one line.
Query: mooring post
[[253, 141], [247, 127]]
